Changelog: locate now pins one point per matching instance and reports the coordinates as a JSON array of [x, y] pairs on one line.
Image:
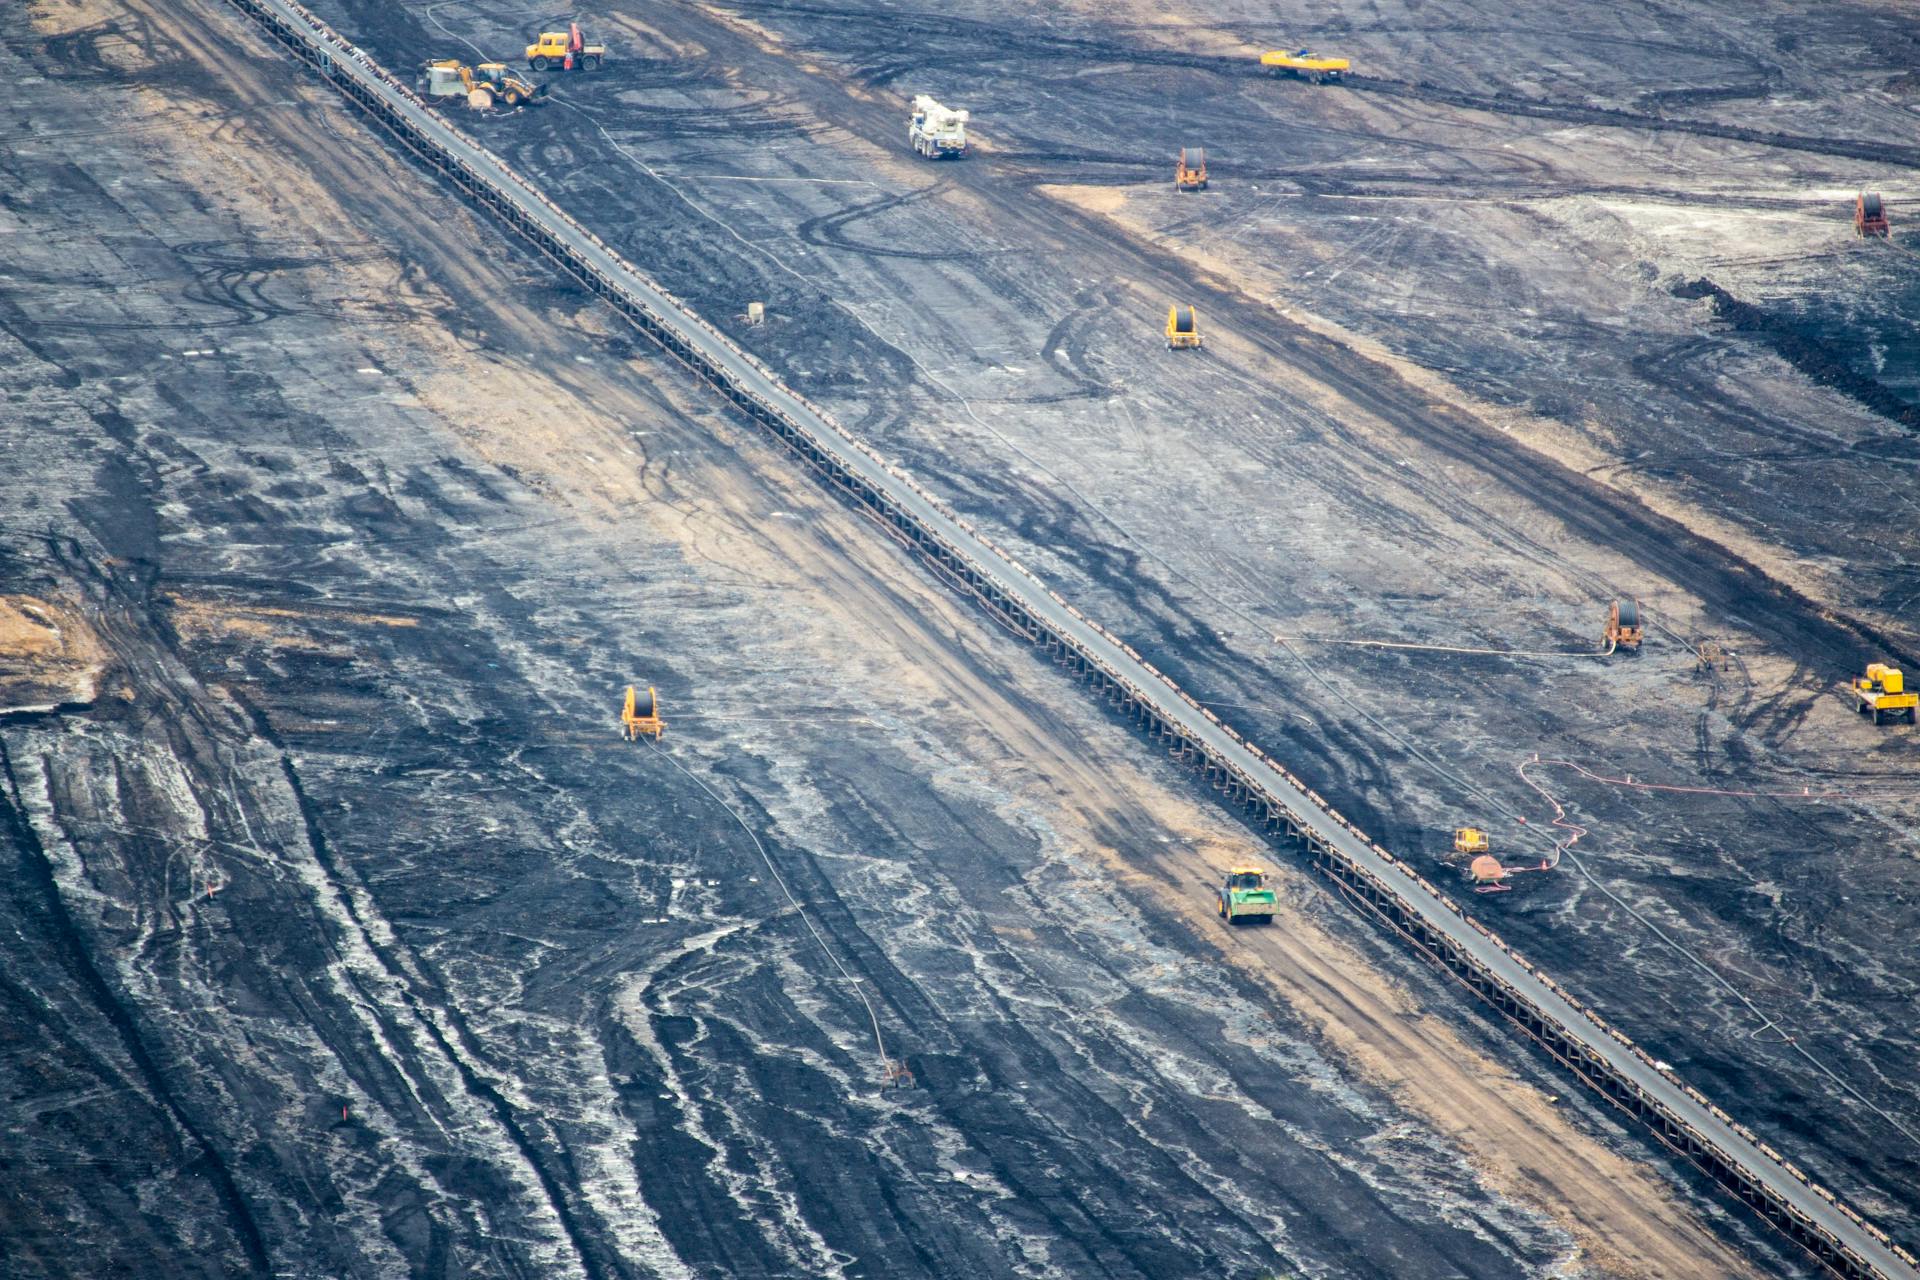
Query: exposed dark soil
[[1820, 359], [354, 942]]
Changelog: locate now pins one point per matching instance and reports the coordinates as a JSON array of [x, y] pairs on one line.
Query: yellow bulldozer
[[1469, 841]]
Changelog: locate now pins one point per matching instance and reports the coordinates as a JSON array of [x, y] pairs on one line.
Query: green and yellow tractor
[[1244, 898]]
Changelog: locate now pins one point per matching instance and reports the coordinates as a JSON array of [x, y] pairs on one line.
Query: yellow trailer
[[1190, 170], [642, 714], [1183, 328], [1884, 692], [1306, 65]]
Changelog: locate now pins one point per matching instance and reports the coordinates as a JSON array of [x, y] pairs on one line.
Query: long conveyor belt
[[1375, 880]]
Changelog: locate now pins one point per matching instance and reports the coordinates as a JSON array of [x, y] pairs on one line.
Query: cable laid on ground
[[1450, 648], [1767, 1021], [858, 985]]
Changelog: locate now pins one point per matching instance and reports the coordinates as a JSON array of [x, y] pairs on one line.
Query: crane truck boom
[[567, 50], [935, 132]]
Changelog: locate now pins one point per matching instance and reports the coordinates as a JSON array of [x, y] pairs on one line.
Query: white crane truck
[[935, 132]]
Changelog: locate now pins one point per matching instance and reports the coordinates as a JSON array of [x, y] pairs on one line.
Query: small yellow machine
[[1623, 625], [1468, 841], [1190, 170], [1183, 328], [565, 51], [1305, 65], [642, 715], [1883, 692]]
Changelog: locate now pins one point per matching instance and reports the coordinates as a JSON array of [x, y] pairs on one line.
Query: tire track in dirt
[[125, 1021], [989, 40]]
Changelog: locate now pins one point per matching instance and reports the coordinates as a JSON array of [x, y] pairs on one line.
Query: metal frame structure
[[1376, 882]]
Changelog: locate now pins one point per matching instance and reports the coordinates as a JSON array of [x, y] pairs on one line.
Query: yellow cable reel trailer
[[1190, 170], [1183, 328], [641, 714]]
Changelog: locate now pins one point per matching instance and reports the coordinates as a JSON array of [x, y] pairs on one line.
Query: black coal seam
[[1825, 362], [121, 1018], [594, 1259]]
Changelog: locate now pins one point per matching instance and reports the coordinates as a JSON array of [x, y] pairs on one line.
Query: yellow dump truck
[[1305, 65], [1883, 693]]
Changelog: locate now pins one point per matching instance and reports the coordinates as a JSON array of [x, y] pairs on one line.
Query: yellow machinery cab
[[1469, 840]]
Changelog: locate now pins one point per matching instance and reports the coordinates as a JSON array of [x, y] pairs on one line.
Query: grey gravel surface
[[370, 607]]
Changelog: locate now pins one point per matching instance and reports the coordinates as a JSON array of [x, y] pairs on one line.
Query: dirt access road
[[349, 939], [1456, 393]]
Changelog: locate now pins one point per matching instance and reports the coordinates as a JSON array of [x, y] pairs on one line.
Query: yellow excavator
[[491, 80]]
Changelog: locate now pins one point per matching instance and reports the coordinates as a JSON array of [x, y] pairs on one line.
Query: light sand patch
[[196, 616], [1228, 264], [49, 656]]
